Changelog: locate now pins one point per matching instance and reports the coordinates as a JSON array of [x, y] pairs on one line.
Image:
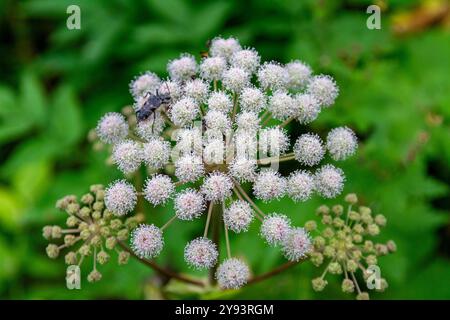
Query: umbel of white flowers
[[242, 105]]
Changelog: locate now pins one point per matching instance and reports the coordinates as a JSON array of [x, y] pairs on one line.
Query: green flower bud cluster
[[93, 227], [345, 246]]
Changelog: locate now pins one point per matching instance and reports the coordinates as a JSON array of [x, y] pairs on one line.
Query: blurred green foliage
[[55, 84]]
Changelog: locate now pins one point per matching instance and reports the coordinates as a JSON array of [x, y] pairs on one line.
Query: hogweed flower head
[[221, 123]]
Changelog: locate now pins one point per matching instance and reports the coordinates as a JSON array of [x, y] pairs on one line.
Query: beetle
[[153, 102]]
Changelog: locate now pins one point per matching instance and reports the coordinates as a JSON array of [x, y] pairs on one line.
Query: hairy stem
[[208, 220], [227, 239]]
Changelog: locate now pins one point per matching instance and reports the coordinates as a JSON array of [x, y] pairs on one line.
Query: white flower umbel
[[274, 228], [329, 181], [281, 105], [147, 241], [252, 99], [324, 89], [189, 168], [232, 274], [120, 197], [217, 186], [300, 185], [306, 108], [212, 68], [224, 48], [189, 204], [341, 143], [296, 244], [184, 112], [271, 75], [127, 155], [238, 216], [308, 149], [217, 120], [269, 185], [235, 79], [112, 128], [201, 253], [243, 169], [158, 189], [247, 59], [299, 74], [248, 121], [220, 101], [183, 68], [147, 82], [197, 89], [156, 153], [273, 141]]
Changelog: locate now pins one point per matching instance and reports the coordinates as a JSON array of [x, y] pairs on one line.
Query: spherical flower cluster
[[243, 169], [308, 149], [158, 189], [299, 74], [201, 253], [273, 76], [217, 120], [341, 143], [232, 274], [253, 99], [247, 59], [112, 128], [189, 168], [147, 241], [147, 82], [156, 153], [151, 128], [197, 89], [224, 48], [182, 69], [273, 141], [281, 105], [127, 155], [235, 79], [324, 89], [274, 228], [306, 108], [212, 68], [238, 216], [269, 185], [248, 121], [184, 112], [300, 185], [220, 101], [189, 204], [329, 181], [120, 197], [217, 186], [296, 244]]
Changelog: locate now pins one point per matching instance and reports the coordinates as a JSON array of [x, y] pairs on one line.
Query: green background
[[56, 83]]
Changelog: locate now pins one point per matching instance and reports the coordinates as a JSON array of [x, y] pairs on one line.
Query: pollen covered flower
[[299, 74], [120, 197], [232, 274], [184, 112], [220, 101], [189, 168], [247, 59], [197, 89], [248, 121], [300, 185], [306, 108], [147, 241], [281, 105], [252, 99]]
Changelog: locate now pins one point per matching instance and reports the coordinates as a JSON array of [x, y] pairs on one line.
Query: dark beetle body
[[153, 102]]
